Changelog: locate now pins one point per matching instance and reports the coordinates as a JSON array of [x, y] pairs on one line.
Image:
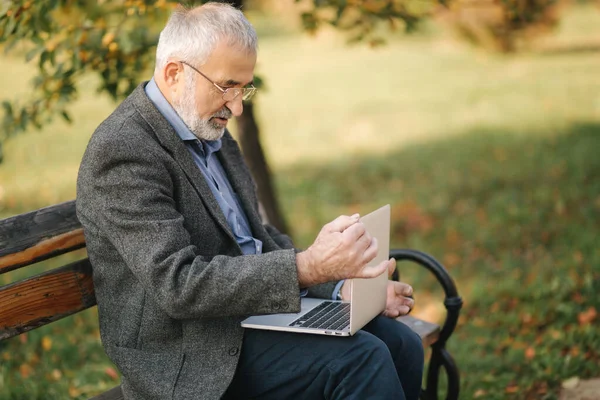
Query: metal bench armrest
[[452, 302], [440, 357]]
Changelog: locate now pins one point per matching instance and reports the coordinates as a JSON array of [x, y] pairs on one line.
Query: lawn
[[491, 164]]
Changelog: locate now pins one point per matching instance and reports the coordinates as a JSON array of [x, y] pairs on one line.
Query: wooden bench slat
[[428, 331], [113, 394], [45, 298], [38, 235]]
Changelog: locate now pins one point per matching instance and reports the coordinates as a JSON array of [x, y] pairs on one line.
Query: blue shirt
[[203, 153]]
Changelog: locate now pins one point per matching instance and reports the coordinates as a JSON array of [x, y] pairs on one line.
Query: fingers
[[358, 235], [346, 248], [374, 271], [356, 232], [397, 311], [341, 223], [370, 251], [403, 289], [362, 246], [391, 267], [397, 303]]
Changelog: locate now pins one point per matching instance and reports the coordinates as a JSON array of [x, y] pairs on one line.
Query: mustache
[[223, 113]]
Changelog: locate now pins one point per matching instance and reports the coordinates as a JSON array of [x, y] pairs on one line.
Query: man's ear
[[172, 74]]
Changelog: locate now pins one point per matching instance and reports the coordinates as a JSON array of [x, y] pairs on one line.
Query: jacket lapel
[[169, 140]]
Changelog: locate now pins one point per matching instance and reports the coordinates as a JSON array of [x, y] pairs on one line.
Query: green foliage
[[116, 39], [360, 18], [69, 38]]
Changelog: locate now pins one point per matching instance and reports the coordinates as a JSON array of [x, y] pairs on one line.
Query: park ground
[[491, 163]]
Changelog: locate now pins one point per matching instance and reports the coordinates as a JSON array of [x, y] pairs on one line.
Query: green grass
[[491, 164]]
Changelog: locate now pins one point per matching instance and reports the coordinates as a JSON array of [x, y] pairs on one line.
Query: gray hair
[[192, 34]]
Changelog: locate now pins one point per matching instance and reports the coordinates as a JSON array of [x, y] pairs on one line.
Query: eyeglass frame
[[246, 92]]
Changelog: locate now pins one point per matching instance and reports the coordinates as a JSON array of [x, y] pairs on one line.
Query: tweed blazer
[[171, 282]]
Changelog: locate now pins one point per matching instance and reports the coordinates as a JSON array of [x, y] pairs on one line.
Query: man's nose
[[236, 106]]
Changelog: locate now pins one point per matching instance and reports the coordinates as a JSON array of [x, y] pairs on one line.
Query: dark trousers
[[382, 361]]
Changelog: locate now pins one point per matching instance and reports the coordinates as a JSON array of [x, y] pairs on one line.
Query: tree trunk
[[255, 158]]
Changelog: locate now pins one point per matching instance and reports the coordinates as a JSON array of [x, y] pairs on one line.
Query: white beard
[[185, 106]]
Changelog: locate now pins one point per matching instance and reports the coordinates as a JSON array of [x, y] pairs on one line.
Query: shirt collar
[[158, 99]]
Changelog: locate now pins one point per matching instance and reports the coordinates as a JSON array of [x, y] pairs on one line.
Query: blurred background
[[477, 120]]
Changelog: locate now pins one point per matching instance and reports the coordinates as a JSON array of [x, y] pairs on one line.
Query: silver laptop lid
[[369, 295]]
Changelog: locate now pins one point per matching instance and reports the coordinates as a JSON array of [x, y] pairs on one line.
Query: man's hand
[[398, 303], [341, 251]]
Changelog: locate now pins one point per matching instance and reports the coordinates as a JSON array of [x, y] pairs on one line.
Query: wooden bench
[[57, 293]]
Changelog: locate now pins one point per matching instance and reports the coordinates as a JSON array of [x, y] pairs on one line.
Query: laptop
[[340, 318]]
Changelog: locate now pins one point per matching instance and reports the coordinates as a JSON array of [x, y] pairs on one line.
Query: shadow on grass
[[514, 218], [518, 187]]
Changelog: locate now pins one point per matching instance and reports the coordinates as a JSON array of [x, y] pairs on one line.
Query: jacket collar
[[172, 143]]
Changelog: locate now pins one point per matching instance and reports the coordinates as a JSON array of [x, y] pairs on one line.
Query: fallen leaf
[[555, 334], [587, 316], [529, 353], [112, 373], [25, 370], [74, 392], [570, 383], [46, 343], [574, 351], [56, 374], [511, 389]]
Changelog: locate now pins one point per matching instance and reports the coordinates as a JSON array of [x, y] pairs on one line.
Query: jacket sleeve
[[282, 240], [126, 194]]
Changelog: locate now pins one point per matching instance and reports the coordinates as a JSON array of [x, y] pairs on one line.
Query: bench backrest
[[38, 300]]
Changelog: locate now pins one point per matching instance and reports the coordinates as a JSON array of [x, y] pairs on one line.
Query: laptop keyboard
[[331, 315]]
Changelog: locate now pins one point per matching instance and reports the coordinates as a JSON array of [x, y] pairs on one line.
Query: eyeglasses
[[229, 94]]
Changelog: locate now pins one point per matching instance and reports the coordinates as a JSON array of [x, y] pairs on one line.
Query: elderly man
[[180, 254]]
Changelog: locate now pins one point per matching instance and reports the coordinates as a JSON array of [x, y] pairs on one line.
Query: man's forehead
[[231, 66], [225, 53]]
